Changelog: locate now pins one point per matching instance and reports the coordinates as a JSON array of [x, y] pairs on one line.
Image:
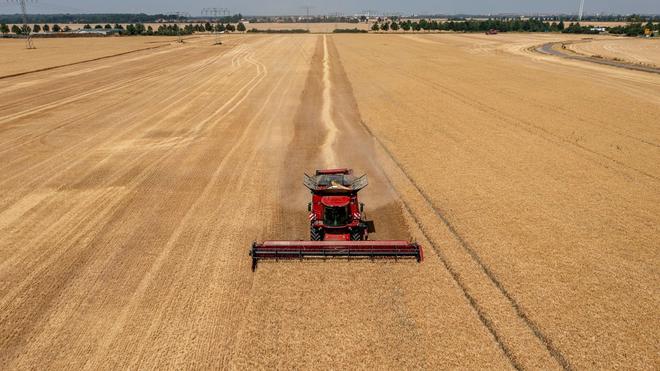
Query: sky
[[293, 7]]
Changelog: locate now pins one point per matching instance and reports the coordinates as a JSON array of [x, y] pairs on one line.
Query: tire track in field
[[173, 294], [536, 130], [485, 319], [174, 237], [144, 74], [170, 99], [457, 275], [192, 131], [105, 89], [472, 280], [174, 100], [80, 62], [107, 158], [88, 114], [87, 225]]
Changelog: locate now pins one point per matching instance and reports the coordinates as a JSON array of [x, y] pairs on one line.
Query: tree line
[[130, 29], [505, 25], [101, 18]]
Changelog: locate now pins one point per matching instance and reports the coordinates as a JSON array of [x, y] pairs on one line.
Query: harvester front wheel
[[356, 235], [315, 234]]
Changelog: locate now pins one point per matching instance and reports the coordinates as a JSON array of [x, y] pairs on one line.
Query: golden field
[[133, 185]]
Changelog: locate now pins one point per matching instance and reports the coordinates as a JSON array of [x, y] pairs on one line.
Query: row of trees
[[515, 25], [506, 25], [101, 18], [635, 28], [21, 30], [130, 29], [175, 29]]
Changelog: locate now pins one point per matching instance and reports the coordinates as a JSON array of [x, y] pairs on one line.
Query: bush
[[349, 30], [295, 30]]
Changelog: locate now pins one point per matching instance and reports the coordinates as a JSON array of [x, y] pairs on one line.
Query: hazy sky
[[259, 7]]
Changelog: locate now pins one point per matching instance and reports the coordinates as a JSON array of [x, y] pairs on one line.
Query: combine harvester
[[337, 225]]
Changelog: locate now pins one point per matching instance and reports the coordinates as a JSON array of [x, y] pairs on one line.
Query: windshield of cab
[[335, 216]]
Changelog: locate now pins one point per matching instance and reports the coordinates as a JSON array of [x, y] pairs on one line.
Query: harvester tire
[[356, 235], [315, 234]]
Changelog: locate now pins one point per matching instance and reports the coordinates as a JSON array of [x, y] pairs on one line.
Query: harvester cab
[[335, 213], [337, 225]]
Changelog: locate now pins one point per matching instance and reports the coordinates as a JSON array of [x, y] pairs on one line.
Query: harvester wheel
[[315, 234], [356, 235]]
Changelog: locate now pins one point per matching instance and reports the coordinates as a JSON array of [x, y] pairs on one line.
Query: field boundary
[[80, 62]]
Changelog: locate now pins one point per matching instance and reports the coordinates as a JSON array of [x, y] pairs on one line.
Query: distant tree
[[4, 29], [649, 25], [424, 24], [230, 27], [395, 26], [405, 26], [240, 27], [98, 27], [15, 29], [87, 27], [385, 26], [208, 27], [108, 26], [67, 28], [561, 25], [36, 28], [375, 27], [46, 28], [118, 26], [57, 28], [415, 26], [219, 27], [150, 31], [554, 27]]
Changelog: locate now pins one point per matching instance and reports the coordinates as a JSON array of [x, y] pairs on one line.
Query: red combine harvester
[[337, 227]]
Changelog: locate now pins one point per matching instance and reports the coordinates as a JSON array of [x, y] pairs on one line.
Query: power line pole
[[308, 8], [178, 16], [29, 44]]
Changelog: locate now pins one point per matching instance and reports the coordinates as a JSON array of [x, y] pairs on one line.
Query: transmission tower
[[215, 13], [29, 44], [581, 10], [178, 16], [307, 8]]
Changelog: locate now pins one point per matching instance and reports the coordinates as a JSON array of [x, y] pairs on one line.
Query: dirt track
[[132, 188], [643, 51]]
